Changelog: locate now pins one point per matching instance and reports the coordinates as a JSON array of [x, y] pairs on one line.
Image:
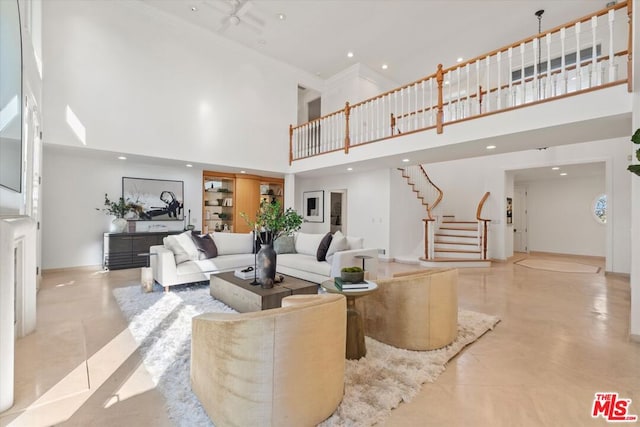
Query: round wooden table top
[[330, 286]]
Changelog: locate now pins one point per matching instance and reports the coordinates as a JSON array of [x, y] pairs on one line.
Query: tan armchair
[[279, 367], [413, 311]]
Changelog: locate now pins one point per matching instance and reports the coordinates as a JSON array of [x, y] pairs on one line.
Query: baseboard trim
[[65, 269], [634, 338]]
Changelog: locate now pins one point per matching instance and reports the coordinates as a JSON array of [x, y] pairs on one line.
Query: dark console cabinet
[[120, 250]]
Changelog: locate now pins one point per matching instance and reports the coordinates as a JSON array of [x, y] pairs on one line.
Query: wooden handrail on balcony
[[438, 77]]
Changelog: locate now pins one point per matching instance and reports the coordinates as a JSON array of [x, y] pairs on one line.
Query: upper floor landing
[[567, 85]]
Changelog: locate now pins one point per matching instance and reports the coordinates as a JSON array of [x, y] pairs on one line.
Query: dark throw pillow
[[205, 245], [321, 255]]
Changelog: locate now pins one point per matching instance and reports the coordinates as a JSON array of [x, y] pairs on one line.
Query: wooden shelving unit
[[238, 193]]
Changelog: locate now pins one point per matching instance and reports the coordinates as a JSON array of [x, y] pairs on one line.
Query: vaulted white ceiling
[[411, 36]]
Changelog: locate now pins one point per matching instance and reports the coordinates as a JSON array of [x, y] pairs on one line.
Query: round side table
[[356, 347]]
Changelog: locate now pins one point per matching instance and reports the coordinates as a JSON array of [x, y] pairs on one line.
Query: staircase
[[457, 244], [448, 243]]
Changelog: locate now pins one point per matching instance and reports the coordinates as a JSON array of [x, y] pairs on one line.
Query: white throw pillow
[[355, 242], [182, 247], [308, 243], [233, 243], [338, 243]]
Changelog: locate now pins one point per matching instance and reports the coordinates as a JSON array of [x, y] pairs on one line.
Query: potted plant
[[119, 210], [636, 140], [271, 223], [352, 274]]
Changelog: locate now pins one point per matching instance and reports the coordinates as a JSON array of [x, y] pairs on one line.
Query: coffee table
[[356, 347], [240, 295]]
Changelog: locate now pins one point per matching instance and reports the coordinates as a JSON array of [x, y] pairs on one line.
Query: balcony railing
[[589, 53]]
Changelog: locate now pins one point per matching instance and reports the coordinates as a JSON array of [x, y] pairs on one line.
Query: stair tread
[[456, 243], [459, 222], [460, 251], [460, 229], [455, 235], [444, 259]]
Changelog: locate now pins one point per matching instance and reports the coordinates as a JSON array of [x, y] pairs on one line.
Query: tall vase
[[118, 225], [266, 266]]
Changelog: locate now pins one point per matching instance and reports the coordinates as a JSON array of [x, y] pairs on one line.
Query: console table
[[120, 250]]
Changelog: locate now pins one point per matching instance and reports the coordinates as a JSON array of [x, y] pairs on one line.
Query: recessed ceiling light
[[555, 168], [349, 169], [385, 66], [122, 158], [243, 171], [350, 54], [563, 174], [405, 160], [194, 9], [460, 59], [189, 165], [282, 16], [491, 147]]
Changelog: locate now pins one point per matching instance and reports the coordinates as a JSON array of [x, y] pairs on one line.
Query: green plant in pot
[[271, 223], [119, 210], [352, 274], [636, 140]]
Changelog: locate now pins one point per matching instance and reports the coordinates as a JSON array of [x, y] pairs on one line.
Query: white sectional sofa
[[178, 261]]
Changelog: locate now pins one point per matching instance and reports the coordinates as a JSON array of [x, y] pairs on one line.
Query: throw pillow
[[284, 245], [321, 254], [338, 243], [307, 243], [233, 243], [182, 247], [206, 246]]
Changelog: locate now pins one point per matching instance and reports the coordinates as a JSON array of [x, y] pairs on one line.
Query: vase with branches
[[119, 210], [271, 222]]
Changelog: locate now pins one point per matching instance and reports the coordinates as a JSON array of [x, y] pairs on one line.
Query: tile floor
[[563, 337]]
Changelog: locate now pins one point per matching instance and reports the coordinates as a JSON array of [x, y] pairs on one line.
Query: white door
[[520, 236]]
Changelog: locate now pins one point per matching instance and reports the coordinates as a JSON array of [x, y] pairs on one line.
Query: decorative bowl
[[353, 277]]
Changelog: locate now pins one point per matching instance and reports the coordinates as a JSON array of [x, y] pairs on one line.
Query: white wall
[[353, 85], [74, 186], [465, 181], [141, 81], [406, 227], [561, 219], [367, 198]]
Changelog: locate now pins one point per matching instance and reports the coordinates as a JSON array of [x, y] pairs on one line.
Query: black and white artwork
[[313, 204], [160, 199]]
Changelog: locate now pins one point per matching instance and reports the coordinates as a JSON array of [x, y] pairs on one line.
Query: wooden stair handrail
[[433, 205], [481, 205]]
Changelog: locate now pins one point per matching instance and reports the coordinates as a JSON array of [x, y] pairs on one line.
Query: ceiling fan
[[237, 13]]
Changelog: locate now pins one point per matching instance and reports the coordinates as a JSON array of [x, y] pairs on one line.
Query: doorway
[[520, 227], [337, 200]]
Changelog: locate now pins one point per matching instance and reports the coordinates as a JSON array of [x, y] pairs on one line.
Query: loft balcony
[[566, 85]]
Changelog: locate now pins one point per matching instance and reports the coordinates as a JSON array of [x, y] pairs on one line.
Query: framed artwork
[[160, 199], [313, 206], [509, 210]]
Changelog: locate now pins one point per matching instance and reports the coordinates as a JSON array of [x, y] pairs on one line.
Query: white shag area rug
[[374, 385]]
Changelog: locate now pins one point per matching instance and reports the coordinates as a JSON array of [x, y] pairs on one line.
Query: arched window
[[599, 208]]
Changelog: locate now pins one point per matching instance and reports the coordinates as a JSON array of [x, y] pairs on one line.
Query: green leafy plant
[[636, 140], [352, 270], [120, 208], [273, 221]]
